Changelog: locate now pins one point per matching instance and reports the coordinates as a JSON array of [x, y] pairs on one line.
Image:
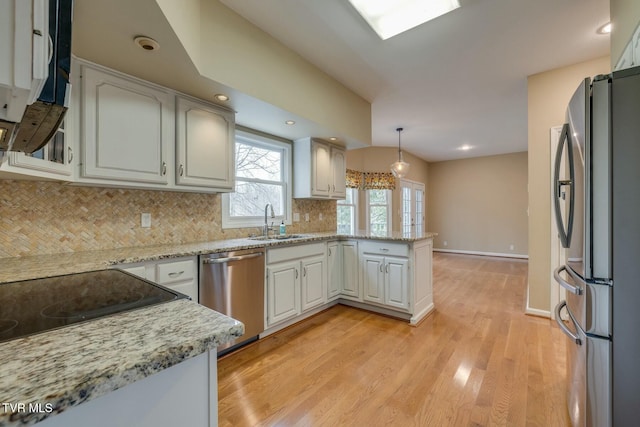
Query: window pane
[[345, 220], [378, 220], [251, 198], [258, 162], [377, 197]]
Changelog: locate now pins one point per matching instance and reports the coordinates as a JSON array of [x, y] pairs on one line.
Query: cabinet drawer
[[176, 271], [295, 252], [384, 248]]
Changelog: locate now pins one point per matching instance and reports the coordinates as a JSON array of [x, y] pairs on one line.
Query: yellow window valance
[[370, 180]]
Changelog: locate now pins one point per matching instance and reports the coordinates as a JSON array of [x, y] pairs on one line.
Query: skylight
[[390, 18]]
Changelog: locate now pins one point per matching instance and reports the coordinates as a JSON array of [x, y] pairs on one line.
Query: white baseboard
[[496, 254]]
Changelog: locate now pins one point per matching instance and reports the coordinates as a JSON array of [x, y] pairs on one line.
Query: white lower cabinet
[[385, 274], [350, 285], [314, 280], [283, 288], [334, 270], [387, 277], [178, 274], [296, 281]]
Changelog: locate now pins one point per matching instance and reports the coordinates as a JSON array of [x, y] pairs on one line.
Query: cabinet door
[[283, 291], [397, 282], [126, 128], [334, 269], [321, 173], [314, 279], [205, 145], [51, 161], [373, 278], [339, 171], [350, 284]]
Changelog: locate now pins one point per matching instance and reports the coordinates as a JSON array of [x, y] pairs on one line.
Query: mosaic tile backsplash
[[38, 218]]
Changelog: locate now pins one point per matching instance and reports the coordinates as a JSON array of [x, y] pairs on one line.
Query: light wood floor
[[476, 361]]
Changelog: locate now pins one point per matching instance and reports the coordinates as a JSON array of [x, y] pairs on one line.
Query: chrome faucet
[[266, 229]]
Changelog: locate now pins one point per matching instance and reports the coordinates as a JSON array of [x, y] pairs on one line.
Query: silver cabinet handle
[[164, 168], [176, 273], [304, 271], [387, 269], [329, 251], [230, 259], [296, 273], [181, 170], [381, 268], [568, 286], [384, 250], [574, 337], [70, 155]]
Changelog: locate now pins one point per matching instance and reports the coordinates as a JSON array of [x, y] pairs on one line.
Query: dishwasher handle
[[231, 258]]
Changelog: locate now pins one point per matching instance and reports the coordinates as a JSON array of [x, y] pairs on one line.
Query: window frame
[[262, 141], [354, 209], [389, 197]]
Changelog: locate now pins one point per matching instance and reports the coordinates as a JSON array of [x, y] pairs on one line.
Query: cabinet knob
[[164, 168], [181, 170]]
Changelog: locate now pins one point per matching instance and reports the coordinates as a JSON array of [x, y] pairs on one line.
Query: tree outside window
[[262, 170], [379, 212]]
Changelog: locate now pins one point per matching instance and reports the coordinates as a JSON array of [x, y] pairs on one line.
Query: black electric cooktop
[[32, 306]]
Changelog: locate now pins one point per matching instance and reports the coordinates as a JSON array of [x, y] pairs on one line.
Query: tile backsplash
[[39, 218]]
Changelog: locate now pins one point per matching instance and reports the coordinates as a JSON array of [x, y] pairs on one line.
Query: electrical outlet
[[511, 247], [145, 220], [296, 217], [306, 217], [444, 243], [320, 216]]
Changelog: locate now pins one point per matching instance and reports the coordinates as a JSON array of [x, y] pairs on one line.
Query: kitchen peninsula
[[70, 366]]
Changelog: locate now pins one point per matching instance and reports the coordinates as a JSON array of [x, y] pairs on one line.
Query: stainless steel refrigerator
[[597, 205]]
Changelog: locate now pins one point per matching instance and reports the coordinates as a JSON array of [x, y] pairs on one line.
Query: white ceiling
[[459, 79]]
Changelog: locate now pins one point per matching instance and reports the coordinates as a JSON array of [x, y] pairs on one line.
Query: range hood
[[35, 48]]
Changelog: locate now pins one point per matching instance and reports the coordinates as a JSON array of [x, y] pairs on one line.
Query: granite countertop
[[32, 267], [68, 366]]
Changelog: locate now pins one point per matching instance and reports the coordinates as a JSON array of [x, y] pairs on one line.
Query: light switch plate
[[145, 220], [296, 217], [306, 217]]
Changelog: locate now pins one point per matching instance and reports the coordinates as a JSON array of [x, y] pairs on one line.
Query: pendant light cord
[[399, 130]]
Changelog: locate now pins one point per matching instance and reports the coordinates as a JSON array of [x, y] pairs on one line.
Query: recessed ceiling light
[[290, 122], [605, 29], [390, 18], [333, 138], [221, 97], [465, 147], [146, 43]]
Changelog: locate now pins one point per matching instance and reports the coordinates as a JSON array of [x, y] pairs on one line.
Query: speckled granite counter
[[23, 268], [68, 366]]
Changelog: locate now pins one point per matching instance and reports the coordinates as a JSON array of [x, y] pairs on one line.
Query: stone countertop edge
[[104, 355], [33, 267]]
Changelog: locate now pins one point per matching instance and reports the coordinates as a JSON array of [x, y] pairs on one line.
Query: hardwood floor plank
[[478, 360]]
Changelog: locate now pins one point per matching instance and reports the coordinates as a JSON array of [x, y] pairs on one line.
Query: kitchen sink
[[278, 237]]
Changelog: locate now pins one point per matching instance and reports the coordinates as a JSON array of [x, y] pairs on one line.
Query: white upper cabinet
[[126, 128], [24, 51], [319, 170], [132, 133], [204, 145]]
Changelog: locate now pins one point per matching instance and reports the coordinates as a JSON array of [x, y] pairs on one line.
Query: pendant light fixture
[[400, 168]]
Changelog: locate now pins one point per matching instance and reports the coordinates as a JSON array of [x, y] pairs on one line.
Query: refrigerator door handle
[[568, 286], [574, 337], [565, 140]]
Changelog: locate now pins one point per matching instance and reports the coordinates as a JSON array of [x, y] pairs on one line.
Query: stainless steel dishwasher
[[232, 283]]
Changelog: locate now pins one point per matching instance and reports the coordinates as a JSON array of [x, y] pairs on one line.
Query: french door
[[412, 204]]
